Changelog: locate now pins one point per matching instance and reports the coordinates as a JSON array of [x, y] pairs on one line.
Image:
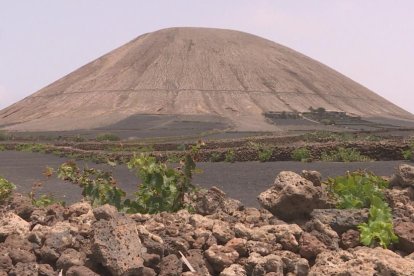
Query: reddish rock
[[221, 257], [214, 200], [310, 246], [22, 206], [234, 270], [404, 176], [405, 233], [362, 261], [171, 265], [240, 245], [10, 223], [151, 260], [116, 245], [341, 220], [21, 256], [70, 257], [350, 239], [80, 271], [222, 231], [105, 212], [46, 270], [199, 263], [292, 197], [313, 176], [5, 263], [26, 269]]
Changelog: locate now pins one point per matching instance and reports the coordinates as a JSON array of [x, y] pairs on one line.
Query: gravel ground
[[243, 181]]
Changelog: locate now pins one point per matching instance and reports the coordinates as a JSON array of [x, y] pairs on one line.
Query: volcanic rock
[[341, 220], [362, 261], [198, 262], [405, 233], [234, 270], [310, 246], [117, 245], [214, 200], [80, 271], [313, 176], [292, 196], [404, 176], [350, 239], [221, 257], [21, 256], [10, 223], [171, 265]]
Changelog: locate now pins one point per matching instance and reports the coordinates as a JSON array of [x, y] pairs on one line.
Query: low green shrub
[[99, 187], [32, 148], [264, 152], [408, 154], [107, 137], [356, 189], [46, 200], [163, 189], [215, 157], [379, 228], [2, 147], [230, 156], [301, 154], [6, 189], [361, 190], [344, 155]]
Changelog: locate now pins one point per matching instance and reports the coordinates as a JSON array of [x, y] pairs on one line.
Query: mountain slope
[[232, 75]]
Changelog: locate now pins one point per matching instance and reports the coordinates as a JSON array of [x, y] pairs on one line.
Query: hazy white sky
[[370, 41]]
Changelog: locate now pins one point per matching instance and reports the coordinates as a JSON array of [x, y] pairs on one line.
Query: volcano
[[226, 78]]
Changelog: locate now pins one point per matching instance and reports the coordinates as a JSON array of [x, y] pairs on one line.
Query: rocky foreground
[[297, 233]]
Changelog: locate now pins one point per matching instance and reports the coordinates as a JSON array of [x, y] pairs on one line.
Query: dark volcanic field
[[243, 180]]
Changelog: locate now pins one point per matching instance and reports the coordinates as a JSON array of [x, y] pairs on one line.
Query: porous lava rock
[[117, 246], [11, 223], [405, 233], [341, 220], [226, 239], [404, 176], [362, 261], [292, 197]]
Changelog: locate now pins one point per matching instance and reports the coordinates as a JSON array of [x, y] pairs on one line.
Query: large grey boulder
[[292, 197]]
